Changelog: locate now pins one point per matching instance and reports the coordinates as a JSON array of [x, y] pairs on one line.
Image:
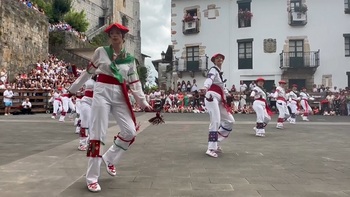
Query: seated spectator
[[26, 107]]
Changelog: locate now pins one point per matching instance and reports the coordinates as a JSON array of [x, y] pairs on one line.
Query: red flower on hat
[[121, 27]]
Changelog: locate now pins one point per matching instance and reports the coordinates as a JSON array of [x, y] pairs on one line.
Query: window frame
[[192, 59], [247, 61], [347, 6], [249, 7], [347, 45]]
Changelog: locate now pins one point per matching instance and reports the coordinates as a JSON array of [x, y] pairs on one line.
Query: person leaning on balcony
[[221, 119]]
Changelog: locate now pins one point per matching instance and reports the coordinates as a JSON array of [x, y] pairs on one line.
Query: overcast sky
[[155, 28]]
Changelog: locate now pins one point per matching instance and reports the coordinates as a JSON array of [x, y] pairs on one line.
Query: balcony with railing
[[302, 61], [298, 15], [201, 65], [190, 26]]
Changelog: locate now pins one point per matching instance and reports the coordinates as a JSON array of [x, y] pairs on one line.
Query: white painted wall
[[326, 25]]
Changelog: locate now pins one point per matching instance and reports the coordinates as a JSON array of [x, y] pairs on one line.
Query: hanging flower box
[[245, 15]]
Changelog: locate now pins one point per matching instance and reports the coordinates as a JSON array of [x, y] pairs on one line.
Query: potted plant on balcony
[[302, 8], [244, 16], [188, 18]]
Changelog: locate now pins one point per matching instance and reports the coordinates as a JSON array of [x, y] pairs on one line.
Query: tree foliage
[[77, 20], [100, 40], [60, 8], [143, 75], [45, 5]]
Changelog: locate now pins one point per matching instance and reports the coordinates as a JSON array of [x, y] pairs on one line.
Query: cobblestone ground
[[39, 157]]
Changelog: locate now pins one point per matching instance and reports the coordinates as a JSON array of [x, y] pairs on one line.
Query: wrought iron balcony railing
[[199, 65], [299, 60]]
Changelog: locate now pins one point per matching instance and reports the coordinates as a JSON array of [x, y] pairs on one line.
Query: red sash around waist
[[267, 108], [281, 99], [108, 79], [89, 93]]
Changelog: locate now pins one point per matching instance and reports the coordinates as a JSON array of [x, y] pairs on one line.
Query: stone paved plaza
[[39, 157]]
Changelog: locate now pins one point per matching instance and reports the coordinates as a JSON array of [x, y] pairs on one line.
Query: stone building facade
[[101, 13], [24, 36], [293, 40]]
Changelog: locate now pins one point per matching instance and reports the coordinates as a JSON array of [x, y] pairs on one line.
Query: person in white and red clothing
[[66, 104], [84, 108], [281, 102], [304, 102], [293, 100], [221, 120], [115, 69], [57, 103], [261, 108]]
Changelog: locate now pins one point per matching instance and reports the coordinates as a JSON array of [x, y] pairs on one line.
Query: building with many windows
[[101, 13], [304, 42]]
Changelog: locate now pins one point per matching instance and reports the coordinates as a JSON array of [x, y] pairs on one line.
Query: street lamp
[[163, 55]]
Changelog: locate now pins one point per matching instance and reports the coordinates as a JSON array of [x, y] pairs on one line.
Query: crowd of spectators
[[62, 26], [51, 73], [189, 98], [30, 5]]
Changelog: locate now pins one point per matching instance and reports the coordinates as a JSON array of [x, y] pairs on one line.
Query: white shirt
[[8, 93], [157, 94], [194, 88], [258, 93], [243, 87], [214, 78], [293, 96], [100, 64], [280, 92], [27, 105], [305, 96]]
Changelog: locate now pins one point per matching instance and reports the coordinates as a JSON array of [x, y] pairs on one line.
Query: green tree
[[100, 40], [60, 8], [46, 6], [77, 20], [143, 75]]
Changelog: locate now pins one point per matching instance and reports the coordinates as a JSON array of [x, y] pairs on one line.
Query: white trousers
[[67, 104], [85, 122], [293, 105], [306, 107], [262, 118], [57, 107], [221, 121], [282, 112], [282, 109], [107, 99]]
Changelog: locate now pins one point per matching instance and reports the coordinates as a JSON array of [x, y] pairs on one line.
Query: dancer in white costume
[[261, 108], [304, 102], [85, 107], [115, 69], [293, 100], [77, 119], [57, 104], [221, 120], [281, 102], [66, 104]]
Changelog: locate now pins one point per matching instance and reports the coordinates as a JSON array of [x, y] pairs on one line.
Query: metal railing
[[182, 64], [309, 59]]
